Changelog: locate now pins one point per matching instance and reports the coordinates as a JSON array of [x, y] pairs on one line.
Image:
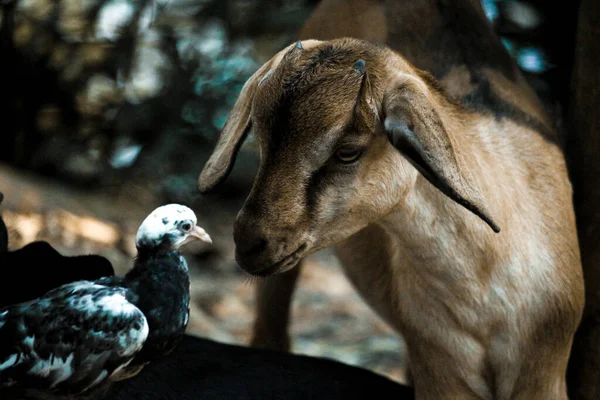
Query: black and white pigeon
[[78, 338]]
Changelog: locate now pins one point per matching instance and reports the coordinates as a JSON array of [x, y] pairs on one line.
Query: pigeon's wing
[[71, 339]]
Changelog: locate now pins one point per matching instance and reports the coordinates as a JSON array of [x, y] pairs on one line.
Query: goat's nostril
[[250, 244], [258, 245], [249, 238]]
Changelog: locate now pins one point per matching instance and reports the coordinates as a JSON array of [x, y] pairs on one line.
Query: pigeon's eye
[[186, 227]]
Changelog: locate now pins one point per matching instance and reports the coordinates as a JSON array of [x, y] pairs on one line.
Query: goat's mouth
[[285, 264]]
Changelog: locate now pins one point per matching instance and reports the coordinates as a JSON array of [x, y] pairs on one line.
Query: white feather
[[44, 368], [29, 341], [12, 360], [98, 379], [116, 304]]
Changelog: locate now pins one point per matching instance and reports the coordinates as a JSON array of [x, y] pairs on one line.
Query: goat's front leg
[[273, 305]]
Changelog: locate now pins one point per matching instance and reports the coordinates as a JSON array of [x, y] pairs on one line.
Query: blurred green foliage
[[96, 91]]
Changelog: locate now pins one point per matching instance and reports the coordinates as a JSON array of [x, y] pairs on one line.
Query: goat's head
[[329, 119]]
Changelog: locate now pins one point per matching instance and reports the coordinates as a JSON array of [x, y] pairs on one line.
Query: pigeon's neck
[[159, 286], [152, 264]]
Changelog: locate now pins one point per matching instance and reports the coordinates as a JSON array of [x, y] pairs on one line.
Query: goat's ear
[[236, 128], [415, 128]]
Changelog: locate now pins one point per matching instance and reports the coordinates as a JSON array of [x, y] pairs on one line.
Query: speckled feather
[[70, 338]]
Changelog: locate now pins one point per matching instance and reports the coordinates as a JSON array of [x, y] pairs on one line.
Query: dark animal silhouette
[[209, 370], [38, 268]]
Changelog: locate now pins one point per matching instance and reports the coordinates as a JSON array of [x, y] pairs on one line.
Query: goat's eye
[[348, 155], [186, 227]]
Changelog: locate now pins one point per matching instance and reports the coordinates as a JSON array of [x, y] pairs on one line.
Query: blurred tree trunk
[[584, 156]]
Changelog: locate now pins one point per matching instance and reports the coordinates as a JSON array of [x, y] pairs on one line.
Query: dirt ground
[[329, 318]]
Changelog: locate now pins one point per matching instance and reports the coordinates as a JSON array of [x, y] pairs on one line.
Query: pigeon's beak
[[200, 234]]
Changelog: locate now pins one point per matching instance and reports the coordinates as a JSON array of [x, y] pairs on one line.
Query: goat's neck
[[429, 228]]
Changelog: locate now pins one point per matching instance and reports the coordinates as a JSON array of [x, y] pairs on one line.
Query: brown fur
[[442, 167]]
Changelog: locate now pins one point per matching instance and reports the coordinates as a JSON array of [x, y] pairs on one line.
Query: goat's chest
[[410, 291], [456, 305], [442, 314]]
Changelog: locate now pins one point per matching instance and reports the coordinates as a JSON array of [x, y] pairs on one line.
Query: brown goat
[[444, 193]]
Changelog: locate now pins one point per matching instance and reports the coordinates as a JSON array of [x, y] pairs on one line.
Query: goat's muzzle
[[262, 253]]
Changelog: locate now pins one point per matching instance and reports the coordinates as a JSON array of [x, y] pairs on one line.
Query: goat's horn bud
[[299, 44], [359, 66]]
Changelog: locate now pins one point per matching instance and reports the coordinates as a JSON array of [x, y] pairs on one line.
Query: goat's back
[[452, 41]]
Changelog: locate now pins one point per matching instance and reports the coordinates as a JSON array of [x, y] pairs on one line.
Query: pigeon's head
[[169, 227]]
